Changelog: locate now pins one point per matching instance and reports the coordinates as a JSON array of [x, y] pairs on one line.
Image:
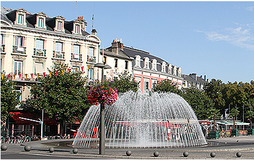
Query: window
[[20, 19], [104, 60], [91, 52], [90, 74], [17, 68], [116, 62], [19, 41], [1, 39], [59, 47], [147, 85], [146, 65], [38, 68], [126, 64], [76, 51], [77, 28], [40, 44], [59, 25], [155, 64], [137, 61], [41, 23]]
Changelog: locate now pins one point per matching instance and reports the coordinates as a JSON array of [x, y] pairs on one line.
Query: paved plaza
[[224, 148]]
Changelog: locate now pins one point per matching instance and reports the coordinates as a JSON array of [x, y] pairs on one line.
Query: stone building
[[147, 69], [194, 81], [32, 43]]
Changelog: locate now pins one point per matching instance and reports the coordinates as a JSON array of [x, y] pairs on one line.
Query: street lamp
[[102, 112]]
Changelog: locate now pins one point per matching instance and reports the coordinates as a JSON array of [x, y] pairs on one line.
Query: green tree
[[9, 98], [233, 113], [123, 82], [63, 96], [250, 115], [199, 101], [167, 85], [214, 90], [214, 113]]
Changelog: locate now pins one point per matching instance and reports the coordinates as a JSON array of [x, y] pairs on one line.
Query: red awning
[[16, 117]]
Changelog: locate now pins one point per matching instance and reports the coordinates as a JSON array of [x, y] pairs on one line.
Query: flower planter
[[213, 135], [234, 132], [250, 131]]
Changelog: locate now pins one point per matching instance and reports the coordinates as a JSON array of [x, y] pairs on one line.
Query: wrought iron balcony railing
[[91, 59], [39, 52], [2, 48], [18, 49], [76, 57], [58, 55]]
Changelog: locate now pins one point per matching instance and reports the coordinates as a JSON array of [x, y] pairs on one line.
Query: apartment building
[[32, 43], [147, 69], [194, 81]]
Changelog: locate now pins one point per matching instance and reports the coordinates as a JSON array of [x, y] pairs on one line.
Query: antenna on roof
[[92, 20], [76, 10]]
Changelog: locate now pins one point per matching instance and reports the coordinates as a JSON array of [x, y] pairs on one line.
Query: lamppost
[[102, 112]]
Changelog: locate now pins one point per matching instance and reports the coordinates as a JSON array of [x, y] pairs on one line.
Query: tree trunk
[[234, 122], [214, 123], [62, 128], [250, 123]]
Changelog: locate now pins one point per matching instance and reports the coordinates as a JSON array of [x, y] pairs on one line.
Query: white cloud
[[250, 8], [242, 36]]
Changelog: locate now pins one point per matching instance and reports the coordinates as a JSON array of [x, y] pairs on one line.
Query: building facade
[[194, 81], [147, 69], [32, 43]]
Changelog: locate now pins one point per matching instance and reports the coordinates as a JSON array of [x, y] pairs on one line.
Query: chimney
[[94, 32], [205, 77], [116, 46]]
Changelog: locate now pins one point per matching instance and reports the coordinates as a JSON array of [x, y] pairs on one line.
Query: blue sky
[[208, 38]]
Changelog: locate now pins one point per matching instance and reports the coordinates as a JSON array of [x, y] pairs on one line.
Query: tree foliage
[[123, 82], [62, 95], [9, 98], [200, 102], [167, 86]]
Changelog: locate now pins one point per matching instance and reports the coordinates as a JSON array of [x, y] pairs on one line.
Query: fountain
[[142, 120]]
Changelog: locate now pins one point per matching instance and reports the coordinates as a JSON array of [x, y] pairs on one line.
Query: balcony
[[58, 55], [91, 59], [2, 48], [39, 53], [76, 57], [18, 49]]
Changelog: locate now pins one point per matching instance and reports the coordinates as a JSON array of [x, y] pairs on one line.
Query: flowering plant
[[105, 95]]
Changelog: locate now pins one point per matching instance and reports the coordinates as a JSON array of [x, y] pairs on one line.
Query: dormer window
[[146, 65], [77, 28], [59, 25], [154, 65], [163, 67], [41, 22], [137, 63], [20, 19]]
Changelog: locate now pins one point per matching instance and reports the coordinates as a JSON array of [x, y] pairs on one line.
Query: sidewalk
[[225, 148]]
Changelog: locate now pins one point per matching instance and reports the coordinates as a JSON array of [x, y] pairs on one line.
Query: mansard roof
[[131, 52], [9, 15]]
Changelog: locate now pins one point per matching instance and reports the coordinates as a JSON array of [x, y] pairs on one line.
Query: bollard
[[128, 153], [238, 154], [185, 154], [212, 154], [4, 147], [51, 149], [27, 148], [75, 151], [156, 154]]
